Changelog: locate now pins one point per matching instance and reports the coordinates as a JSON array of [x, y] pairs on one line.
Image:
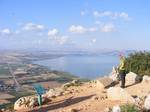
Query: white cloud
[[53, 32], [5, 31], [113, 15], [108, 28], [102, 14], [33, 27], [77, 29], [80, 29], [62, 40], [94, 40], [125, 16]]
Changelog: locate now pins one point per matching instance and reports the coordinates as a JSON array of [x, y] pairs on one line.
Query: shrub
[[139, 63], [129, 108]]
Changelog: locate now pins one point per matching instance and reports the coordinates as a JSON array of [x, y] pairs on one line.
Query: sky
[[75, 24]]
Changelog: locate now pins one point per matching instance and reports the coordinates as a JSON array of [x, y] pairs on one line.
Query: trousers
[[122, 78]]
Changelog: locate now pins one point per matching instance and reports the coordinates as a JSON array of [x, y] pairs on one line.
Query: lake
[[83, 66]]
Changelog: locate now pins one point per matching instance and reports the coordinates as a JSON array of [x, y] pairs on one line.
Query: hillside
[[95, 96]]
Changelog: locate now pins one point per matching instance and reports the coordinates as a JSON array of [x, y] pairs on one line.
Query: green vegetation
[[139, 63], [129, 108]]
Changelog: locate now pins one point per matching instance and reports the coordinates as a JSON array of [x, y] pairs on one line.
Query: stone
[[131, 78], [72, 83], [25, 103], [117, 93], [72, 110], [52, 93], [104, 82], [146, 79], [116, 109], [147, 103], [114, 74], [107, 110]]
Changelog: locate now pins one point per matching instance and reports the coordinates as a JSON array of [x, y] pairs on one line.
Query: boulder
[[117, 93], [104, 82], [116, 108], [53, 93], [147, 103], [131, 78], [25, 103], [146, 79], [114, 74]]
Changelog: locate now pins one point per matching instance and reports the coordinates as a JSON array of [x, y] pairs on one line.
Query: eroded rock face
[[147, 103], [25, 103], [117, 93]]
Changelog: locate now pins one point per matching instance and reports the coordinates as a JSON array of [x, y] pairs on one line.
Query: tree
[[139, 63]]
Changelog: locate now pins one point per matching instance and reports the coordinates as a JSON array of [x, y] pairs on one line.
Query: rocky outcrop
[[146, 79], [117, 93], [104, 82], [25, 103], [53, 93], [147, 103], [114, 74], [28, 102], [131, 78]]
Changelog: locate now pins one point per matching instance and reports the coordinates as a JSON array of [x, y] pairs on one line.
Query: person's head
[[121, 55]]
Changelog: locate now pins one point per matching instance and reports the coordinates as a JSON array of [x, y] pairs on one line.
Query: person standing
[[122, 70]]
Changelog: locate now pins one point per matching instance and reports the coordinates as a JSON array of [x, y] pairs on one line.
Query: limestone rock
[[117, 93], [53, 93], [131, 78], [107, 110], [146, 79], [116, 109], [25, 103], [114, 74], [147, 103], [104, 82]]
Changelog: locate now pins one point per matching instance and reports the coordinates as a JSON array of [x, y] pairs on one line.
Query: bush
[[129, 108], [139, 63]]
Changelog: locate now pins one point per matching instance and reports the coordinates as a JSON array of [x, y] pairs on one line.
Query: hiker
[[122, 70]]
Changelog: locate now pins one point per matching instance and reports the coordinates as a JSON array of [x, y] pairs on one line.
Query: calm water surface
[[82, 66]]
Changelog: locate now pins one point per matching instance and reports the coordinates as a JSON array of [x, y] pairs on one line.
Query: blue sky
[[75, 24]]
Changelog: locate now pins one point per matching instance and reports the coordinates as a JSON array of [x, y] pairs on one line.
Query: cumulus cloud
[[62, 40], [53, 32], [5, 31], [80, 29], [113, 15], [108, 28], [33, 27], [124, 16]]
